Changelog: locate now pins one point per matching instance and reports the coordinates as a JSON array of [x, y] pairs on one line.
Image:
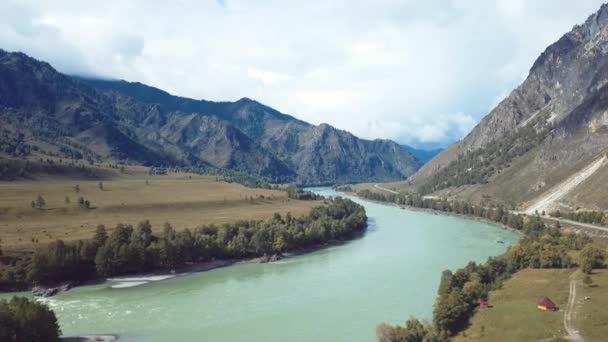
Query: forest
[[127, 249]]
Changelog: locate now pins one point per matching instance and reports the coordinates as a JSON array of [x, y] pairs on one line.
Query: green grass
[[514, 316], [592, 314]]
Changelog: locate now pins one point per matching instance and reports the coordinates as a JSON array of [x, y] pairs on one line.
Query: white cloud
[[268, 78], [400, 69]]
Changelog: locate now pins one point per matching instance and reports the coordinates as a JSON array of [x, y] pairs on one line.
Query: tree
[[100, 235], [25, 320], [100, 185], [414, 331], [587, 280], [40, 202], [280, 244], [77, 188], [84, 203], [67, 200], [591, 257]]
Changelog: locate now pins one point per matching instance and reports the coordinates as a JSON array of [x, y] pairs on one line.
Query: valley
[[455, 211], [297, 298], [181, 199]]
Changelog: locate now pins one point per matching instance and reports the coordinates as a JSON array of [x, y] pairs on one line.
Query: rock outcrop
[[559, 111]]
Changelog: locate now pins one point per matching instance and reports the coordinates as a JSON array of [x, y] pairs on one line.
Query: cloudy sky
[[413, 71]]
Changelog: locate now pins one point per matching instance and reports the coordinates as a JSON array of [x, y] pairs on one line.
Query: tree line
[[498, 213], [585, 216], [293, 191], [460, 291], [127, 249]]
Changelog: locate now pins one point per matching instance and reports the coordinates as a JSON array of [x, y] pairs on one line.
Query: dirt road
[[569, 314], [384, 189]]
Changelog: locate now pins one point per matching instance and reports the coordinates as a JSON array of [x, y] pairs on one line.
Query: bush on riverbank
[[24, 320], [127, 249]]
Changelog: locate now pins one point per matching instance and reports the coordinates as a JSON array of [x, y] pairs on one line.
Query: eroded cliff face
[[547, 129]]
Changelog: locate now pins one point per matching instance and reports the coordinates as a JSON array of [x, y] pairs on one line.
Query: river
[[334, 294]]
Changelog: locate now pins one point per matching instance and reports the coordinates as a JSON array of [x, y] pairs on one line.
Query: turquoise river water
[[334, 294]]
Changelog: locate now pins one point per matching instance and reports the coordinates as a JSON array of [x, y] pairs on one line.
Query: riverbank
[[128, 251], [91, 338], [184, 270], [436, 212], [308, 289], [138, 279]]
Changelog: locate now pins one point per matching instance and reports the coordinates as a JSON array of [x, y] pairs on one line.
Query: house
[[484, 303], [546, 304]]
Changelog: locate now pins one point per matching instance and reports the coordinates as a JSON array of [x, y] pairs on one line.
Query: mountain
[[551, 127], [422, 155], [44, 112]]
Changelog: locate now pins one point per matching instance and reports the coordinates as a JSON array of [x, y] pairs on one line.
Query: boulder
[[41, 291]]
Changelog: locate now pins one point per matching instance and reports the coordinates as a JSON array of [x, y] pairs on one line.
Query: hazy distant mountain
[[44, 110], [422, 155], [553, 125]]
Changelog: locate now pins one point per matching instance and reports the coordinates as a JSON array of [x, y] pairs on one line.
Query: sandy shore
[[146, 278]]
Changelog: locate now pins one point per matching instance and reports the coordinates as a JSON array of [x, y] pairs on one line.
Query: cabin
[[546, 304]]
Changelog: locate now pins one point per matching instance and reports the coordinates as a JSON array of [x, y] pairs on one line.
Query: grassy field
[[514, 316], [591, 314], [185, 201]]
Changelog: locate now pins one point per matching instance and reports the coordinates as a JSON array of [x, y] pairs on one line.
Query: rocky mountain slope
[[44, 112], [554, 124]]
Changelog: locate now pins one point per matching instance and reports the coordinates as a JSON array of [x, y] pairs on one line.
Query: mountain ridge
[[130, 121], [549, 127]]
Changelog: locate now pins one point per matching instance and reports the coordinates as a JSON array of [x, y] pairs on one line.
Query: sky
[[418, 72]]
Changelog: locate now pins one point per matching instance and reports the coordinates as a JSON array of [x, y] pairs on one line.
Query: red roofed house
[[546, 304]]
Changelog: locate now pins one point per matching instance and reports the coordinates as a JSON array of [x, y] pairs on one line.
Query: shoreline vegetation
[[459, 292], [136, 250], [127, 250], [435, 212]]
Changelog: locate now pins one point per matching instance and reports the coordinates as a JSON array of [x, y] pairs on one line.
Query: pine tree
[[40, 202]]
